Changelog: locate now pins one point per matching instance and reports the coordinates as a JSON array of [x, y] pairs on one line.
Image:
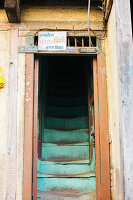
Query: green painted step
[[67, 123], [66, 92], [75, 101], [58, 153], [70, 170], [60, 136], [66, 195], [67, 184], [75, 111]]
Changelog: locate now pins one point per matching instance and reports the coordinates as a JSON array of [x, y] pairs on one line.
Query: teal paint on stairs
[[66, 168]]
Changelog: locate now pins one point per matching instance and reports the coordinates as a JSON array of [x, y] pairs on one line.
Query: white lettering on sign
[[52, 41]]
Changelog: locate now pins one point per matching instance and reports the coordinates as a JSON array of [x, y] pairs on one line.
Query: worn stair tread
[[64, 153], [75, 111], [67, 123], [73, 101], [62, 136], [81, 184], [66, 195], [50, 144], [67, 170]]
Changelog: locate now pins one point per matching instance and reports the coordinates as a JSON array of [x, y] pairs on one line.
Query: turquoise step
[[70, 170], [60, 136], [67, 123], [76, 111], [75, 101], [69, 153], [66, 92], [68, 186]]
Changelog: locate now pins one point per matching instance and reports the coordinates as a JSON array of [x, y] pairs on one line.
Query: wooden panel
[[103, 120], [28, 130], [35, 126], [12, 8], [97, 136], [12, 122]]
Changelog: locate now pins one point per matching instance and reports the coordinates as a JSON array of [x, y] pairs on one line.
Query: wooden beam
[[97, 132], [103, 128], [28, 130], [35, 120], [12, 122], [108, 9], [12, 8]]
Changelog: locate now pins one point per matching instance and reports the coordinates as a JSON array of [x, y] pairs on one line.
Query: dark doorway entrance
[[66, 154]]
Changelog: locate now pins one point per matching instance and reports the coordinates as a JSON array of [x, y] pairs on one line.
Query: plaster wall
[[4, 63], [124, 43], [32, 19], [116, 169]]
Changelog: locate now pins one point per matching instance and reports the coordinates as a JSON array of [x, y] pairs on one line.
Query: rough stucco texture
[[113, 109], [4, 63]]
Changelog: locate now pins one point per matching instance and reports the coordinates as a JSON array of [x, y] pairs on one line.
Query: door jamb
[[101, 128]]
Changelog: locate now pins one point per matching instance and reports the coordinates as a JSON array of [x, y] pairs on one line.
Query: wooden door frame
[[101, 128]]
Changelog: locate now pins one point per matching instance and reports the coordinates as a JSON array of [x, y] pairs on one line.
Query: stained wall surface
[[119, 70], [119, 65], [116, 163], [33, 19]]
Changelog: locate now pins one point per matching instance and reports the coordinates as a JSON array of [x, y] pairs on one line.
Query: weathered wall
[[119, 70], [32, 20], [124, 45], [4, 63], [5, 55], [116, 169]]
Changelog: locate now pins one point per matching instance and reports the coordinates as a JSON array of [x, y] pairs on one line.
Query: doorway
[[101, 126], [66, 152]]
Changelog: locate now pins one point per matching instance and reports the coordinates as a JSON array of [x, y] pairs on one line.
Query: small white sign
[[52, 41]]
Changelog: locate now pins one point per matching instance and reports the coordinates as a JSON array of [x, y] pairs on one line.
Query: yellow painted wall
[[59, 14], [55, 14], [3, 16]]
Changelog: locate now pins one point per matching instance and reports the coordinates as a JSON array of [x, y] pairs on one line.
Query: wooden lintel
[[12, 8], [109, 4]]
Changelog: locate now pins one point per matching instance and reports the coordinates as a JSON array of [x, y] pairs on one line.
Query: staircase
[[65, 171]]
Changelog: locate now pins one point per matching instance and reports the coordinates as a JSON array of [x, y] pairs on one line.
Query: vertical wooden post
[[12, 122], [103, 128], [36, 71], [28, 130], [97, 136]]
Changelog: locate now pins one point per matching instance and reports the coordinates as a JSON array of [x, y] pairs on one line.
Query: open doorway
[[66, 152]]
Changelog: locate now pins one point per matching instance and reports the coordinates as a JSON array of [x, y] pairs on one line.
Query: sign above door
[[52, 41]]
